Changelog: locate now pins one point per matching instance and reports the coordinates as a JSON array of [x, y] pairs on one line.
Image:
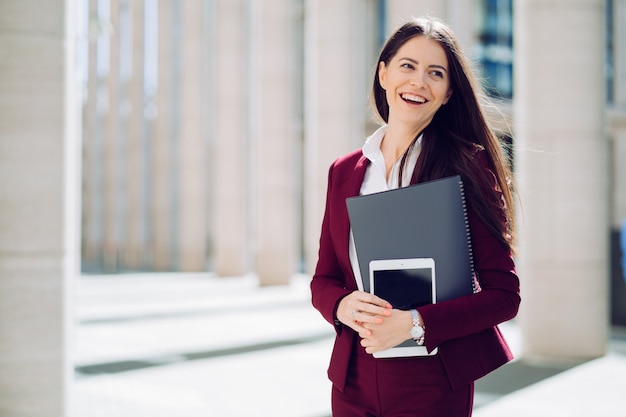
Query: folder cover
[[427, 220]]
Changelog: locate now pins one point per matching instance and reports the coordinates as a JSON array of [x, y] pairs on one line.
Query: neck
[[395, 144], [397, 140]]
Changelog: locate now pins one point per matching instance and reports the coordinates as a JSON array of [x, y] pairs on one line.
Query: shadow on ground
[[519, 374]]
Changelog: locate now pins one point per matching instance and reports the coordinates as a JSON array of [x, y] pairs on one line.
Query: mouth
[[412, 98]]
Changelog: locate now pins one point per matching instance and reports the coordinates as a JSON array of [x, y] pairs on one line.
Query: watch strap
[[416, 323]]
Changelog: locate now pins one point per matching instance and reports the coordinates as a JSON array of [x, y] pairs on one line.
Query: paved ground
[[196, 345]]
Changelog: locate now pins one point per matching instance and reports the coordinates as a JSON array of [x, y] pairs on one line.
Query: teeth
[[412, 97]]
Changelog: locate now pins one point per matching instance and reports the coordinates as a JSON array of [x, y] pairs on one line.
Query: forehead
[[424, 50]]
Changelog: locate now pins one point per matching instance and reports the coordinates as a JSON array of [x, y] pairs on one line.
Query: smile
[[412, 98]]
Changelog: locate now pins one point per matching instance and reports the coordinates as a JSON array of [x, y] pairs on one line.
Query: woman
[[434, 127]]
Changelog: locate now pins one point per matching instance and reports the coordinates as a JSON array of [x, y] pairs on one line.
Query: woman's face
[[416, 82]]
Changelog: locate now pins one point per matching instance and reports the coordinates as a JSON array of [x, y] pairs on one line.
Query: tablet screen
[[404, 288]]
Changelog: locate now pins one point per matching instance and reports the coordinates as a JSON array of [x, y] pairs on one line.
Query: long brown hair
[[459, 134]]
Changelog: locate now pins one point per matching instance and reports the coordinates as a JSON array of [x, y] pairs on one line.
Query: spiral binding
[[468, 236]]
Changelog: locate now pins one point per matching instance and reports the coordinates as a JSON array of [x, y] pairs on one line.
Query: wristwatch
[[417, 331]]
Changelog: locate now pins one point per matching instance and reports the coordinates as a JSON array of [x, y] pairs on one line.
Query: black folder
[[427, 220]]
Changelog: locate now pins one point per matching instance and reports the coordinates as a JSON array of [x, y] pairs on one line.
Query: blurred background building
[[190, 106], [195, 135]]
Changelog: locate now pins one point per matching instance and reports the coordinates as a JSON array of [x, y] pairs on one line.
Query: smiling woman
[[433, 127], [416, 85]]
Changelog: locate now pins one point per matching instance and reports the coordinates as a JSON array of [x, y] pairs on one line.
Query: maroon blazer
[[464, 329]]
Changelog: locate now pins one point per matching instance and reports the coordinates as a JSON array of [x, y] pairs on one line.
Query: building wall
[[39, 204]]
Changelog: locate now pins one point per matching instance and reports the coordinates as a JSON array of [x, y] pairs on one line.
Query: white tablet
[[406, 284]]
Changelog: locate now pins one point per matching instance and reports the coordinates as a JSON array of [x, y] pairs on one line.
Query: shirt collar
[[371, 147]]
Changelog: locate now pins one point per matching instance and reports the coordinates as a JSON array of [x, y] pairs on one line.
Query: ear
[[448, 95], [382, 73]]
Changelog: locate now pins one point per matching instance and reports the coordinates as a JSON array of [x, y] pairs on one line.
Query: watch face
[[417, 332]]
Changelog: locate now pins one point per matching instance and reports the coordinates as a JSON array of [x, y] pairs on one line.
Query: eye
[[437, 73], [407, 65]]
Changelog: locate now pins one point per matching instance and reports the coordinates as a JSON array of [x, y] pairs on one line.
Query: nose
[[417, 80]]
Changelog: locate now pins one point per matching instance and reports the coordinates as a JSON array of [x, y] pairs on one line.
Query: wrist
[[418, 331], [408, 320], [336, 311]]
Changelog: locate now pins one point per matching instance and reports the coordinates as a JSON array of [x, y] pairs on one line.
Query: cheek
[[443, 92]]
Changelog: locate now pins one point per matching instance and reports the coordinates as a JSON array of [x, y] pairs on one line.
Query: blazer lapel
[[350, 187]]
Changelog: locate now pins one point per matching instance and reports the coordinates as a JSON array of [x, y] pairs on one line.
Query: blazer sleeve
[[328, 285], [498, 299]]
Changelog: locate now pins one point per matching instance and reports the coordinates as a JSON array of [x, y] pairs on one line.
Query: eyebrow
[[430, 66]]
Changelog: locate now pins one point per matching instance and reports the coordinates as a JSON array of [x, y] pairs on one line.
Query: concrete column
[[134, 248], [563, 176], [339, 60], [162, 224], [229, 162], [398, 11], [112, 142], [39, 200], [273, 146], [91, 228], [192, 172], [461, 16]]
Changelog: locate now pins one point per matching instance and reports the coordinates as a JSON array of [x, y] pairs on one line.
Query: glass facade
[[495, 50]]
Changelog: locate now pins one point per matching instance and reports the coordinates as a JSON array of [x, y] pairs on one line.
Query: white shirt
[[375, 180]]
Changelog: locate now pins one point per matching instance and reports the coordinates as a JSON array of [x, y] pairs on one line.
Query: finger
[[374, 310], [347, 309], [368, 318], [360, 306], [361, 330], [369, 347], [374, 300]]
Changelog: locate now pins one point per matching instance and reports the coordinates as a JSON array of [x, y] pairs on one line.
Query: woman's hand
[[360, 308], [387, 333]]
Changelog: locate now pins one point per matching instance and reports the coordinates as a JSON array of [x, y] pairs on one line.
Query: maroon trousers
[[399, 387]]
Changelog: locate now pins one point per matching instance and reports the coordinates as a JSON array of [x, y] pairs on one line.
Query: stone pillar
[[563, 177], [91, 225], [461, 16], [229, 160], [398, 11], [340, 53], [163, 149], [112, 143], [273, 148], [135, 230], [39, 196], [192, 165]]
